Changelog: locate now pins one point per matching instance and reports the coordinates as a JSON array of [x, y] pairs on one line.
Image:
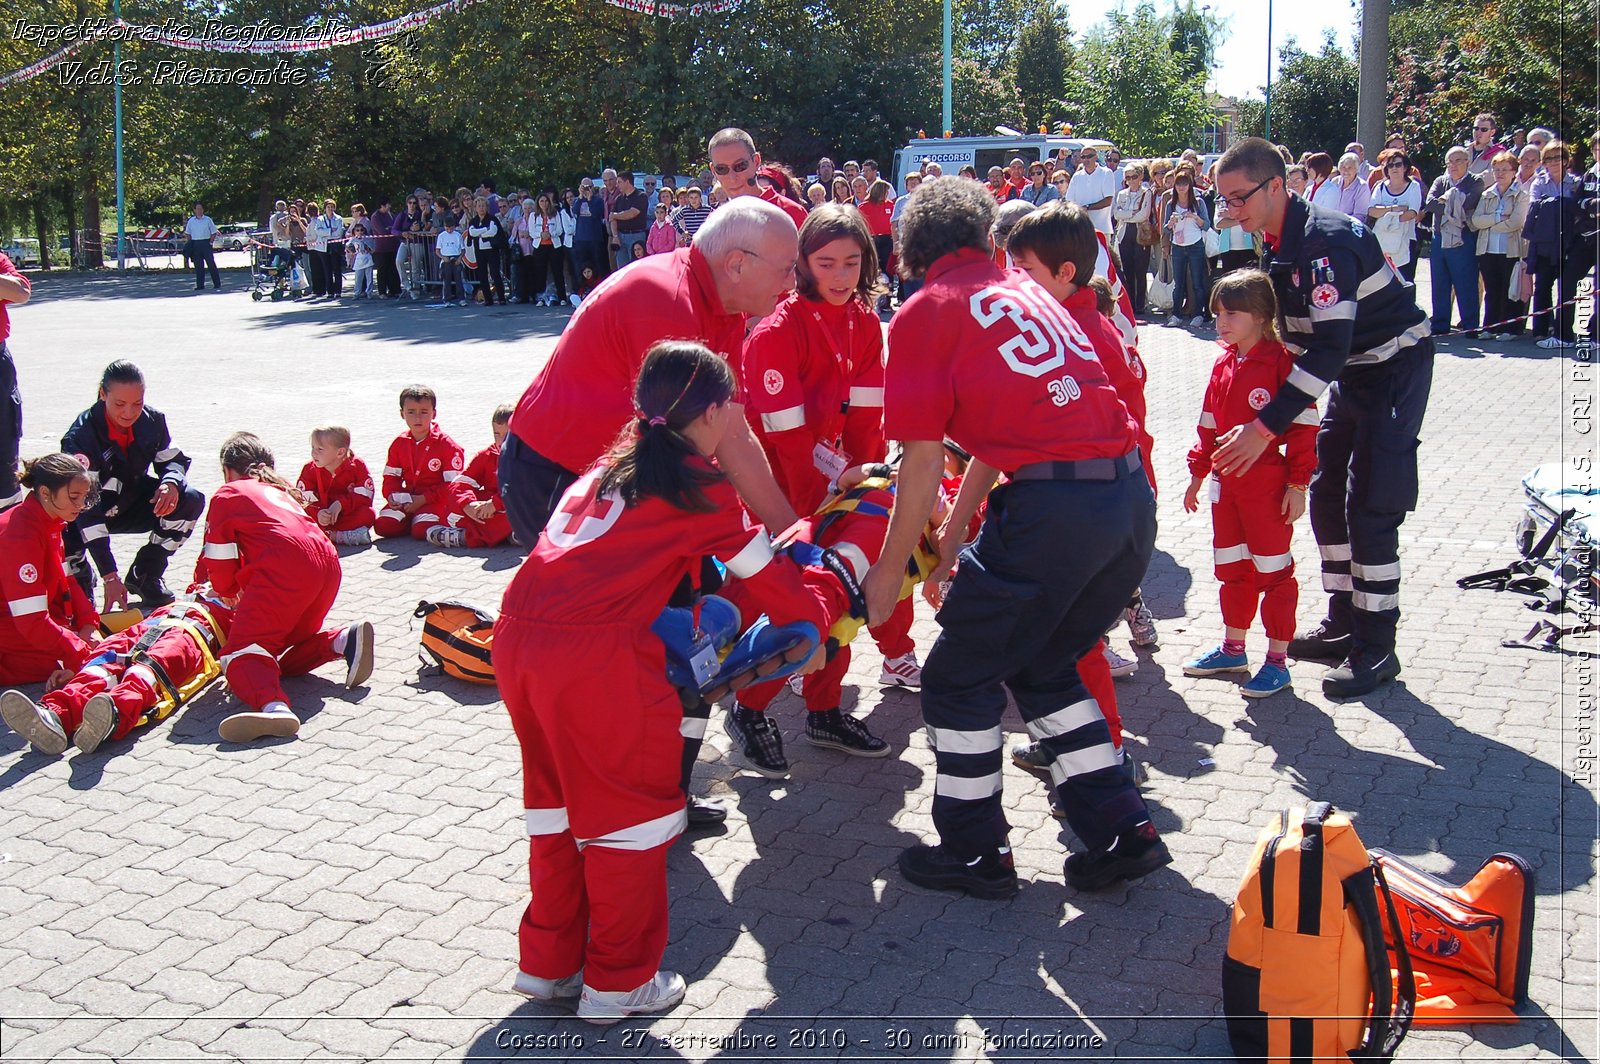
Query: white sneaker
[[1549, 343], [1141, 625], [33, 722], [259, 724], [1120, 666], [901, 672], [352, 537], [99, 718], [664, 990], [1174, 320], [797, 684], [1197, 322], [574, 299], [358, 640], [548, 989], [445, 536]]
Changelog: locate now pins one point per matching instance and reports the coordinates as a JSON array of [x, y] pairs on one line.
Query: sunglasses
[[737, 168]]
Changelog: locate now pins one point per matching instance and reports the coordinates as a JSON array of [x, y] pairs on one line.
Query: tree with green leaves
[[1129, 87], [1044, 54], [1313, 99]]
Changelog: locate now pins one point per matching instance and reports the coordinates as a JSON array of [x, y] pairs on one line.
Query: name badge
[[1213, 489], [830, 461], [704, 661]]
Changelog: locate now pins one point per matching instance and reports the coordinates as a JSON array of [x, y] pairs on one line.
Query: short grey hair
[[1457, 151], [1349, 157], [1006, 218], [741, 222], [607, 172], [1540, 131]]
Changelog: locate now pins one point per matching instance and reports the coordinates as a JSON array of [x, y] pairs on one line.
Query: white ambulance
[[952, 153]]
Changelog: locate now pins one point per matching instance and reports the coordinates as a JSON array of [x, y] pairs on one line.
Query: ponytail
[[679, 381], [53, 472], [244, 454]]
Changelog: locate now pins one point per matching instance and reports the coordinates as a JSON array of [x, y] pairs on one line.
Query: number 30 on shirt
[[1043, 334]]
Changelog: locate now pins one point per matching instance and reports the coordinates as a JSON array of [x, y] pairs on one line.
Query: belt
[[1082, 469]]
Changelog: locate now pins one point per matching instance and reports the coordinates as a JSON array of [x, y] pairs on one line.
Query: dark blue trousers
[[1051, 570], [1366, 483], [531, 486]]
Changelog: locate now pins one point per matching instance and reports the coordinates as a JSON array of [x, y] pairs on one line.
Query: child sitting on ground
[[482, 521], [419, 478], [1252, 513], [338, 488]]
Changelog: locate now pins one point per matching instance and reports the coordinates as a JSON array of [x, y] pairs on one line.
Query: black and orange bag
[[458, 639], [1307, 972], [1471, 946]]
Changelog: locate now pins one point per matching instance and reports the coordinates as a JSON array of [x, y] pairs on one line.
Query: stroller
[[1558, 536], [270, 277]]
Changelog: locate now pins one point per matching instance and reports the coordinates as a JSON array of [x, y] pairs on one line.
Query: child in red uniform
[[813, 378], [601, 776], [338, 488], [1253, 513], [47, 623], [482, 521], [264, 555], [130, 673], [419, 488]]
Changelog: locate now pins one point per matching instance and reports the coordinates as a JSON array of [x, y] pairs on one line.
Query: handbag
[[1145, 231], [1520, 290], [1213, 240], [1159, 295]]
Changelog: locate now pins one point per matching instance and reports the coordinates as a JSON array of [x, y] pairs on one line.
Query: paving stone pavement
[[354, 894]]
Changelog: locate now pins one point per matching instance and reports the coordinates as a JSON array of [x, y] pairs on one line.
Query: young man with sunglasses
[[736, 164], [1357, 334]]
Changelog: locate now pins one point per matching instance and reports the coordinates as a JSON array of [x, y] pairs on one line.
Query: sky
[[1242, 58]]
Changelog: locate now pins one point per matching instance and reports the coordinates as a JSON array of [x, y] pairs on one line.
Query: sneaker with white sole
[[548, 989], [835, 730], [259, 724], [759, 741], [445, 536], [99, 719], [1121, 667], [1141, 625], [33, 722], [1197, 322], [358, 640], [1031, 757], [1174, 321], [901, 672], [797, 684], [352, 537], [662, 992], [1216, 662]]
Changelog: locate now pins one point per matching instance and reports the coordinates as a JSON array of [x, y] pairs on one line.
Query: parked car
[[234, 236], [23, 253]]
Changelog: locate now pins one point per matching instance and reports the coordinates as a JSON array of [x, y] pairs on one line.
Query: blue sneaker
[[1215, 662], [1268, 681]]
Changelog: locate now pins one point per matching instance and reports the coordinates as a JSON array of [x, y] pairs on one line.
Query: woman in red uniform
[[46, 621], [262, 550], [813, 378], [584, 680]]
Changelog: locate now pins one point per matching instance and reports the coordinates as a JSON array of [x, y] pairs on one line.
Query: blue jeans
[[627, 240], [1454, 271], [1189, 279]]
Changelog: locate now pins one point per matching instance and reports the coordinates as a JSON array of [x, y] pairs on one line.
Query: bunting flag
[[258, 39], [675, 10]]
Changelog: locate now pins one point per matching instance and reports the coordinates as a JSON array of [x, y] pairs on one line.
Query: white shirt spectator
[[1086, 188], [451, 244], [201, 228]]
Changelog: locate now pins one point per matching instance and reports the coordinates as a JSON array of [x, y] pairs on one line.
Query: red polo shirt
[[579, 403], [796, 213], [995, 363]]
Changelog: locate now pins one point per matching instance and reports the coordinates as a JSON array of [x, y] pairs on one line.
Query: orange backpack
[[1306, 975], [458, 639], [1472, 945]]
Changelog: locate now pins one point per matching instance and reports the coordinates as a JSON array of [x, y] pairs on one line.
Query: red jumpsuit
[[482, 482], [132, 686], [425, 470], [349, 488], [813, 380], [41, 608], [584, 680], [261, 547], [1249, 537]]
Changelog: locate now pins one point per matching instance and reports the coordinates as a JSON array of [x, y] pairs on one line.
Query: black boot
[[1326, 642], [1130, 855], [144, 580], [1364, 671]]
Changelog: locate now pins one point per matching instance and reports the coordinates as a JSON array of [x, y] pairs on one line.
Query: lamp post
[[948, 123], [116, 106], [1266, 114]]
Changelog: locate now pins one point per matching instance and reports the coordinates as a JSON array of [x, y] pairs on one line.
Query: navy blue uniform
[[1357, 333], [127, 495]]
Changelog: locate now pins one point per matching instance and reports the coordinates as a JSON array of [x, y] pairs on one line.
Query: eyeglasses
[[1395, 166], [737, 168], [782, 270], [1483, 129], [1240, 201]]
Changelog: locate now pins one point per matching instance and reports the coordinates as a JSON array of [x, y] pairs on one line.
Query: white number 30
[[1064, 391]]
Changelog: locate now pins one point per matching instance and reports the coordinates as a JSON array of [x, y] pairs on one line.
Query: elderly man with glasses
[[1093, 188]]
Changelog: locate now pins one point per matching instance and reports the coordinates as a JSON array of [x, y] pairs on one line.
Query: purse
[[1145, 232]]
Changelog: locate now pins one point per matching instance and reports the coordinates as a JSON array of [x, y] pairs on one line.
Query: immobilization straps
[[1518, 576]]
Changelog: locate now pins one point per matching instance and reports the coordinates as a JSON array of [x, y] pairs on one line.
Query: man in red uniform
[[419, 477], [1061, 549], [741, 263], [736, 163]]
